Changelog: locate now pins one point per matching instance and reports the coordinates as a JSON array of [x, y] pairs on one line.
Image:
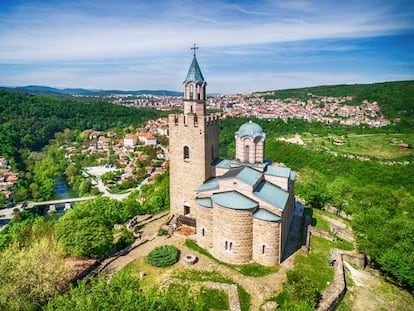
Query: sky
[[244, 46]]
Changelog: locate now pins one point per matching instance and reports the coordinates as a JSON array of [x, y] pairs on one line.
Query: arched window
[[202, 232], [263, 249], [191, 91], [246, 153], [186, 152]]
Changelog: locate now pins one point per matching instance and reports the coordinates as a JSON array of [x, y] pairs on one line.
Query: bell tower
[[194, 143]]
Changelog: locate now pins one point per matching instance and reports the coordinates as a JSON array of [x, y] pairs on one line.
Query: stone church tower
[[194, 144]]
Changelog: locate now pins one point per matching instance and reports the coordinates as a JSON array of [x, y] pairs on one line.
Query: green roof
[[249, 176], [206, 202], [265, 215], [272, 194], [211, 184], [233, 200], [278, 171], [194, 73], [224, 163], [250, 129]]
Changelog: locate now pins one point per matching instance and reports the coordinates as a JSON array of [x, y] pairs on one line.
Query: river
[[62, 191]]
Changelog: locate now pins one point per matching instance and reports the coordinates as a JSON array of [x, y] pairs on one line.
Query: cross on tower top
[[195, 47]]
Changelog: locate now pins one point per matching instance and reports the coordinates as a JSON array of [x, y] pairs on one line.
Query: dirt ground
[[370, 293], [259, 288]]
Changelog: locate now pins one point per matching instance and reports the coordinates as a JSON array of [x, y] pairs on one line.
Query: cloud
[[244, 45], [49, 33]]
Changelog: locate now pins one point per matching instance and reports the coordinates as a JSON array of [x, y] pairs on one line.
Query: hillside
[[45, 90], [396, 98]]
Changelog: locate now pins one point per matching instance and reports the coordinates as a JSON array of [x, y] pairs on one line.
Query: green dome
[[250, 129]]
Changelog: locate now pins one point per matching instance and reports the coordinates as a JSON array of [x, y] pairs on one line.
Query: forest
[[29, 121], [379, 197]]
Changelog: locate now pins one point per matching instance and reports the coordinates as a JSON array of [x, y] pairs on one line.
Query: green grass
[[201, 276], [315, 266], [254, 270], [214, 298], [376, 146], [213, 276]]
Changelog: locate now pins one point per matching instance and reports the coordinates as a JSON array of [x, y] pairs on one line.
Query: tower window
[[191, 91], [202, 232], [263, 249], [186, 152], [228, 246], [246, 153], [212, 152]]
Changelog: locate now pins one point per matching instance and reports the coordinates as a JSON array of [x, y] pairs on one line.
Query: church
[[241, 208]]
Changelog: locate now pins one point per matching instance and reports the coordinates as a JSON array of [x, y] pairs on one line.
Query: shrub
[[163, 256]]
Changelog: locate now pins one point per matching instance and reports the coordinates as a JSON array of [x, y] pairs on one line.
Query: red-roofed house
[[130, 140], [147, 138]]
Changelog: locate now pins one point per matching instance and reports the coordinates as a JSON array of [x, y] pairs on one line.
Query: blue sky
[[244, 45]]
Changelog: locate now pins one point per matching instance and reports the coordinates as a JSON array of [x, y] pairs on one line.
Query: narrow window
[[246, 153], [191, 91], [230, 245], [186, 152], [226, 245], [212, 152], [263, 249], [202, 232]]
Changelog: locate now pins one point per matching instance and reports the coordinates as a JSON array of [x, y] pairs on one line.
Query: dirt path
[[259, 288]]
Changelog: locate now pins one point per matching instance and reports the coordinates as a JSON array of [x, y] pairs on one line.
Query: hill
[[45, 90], [396, 98]]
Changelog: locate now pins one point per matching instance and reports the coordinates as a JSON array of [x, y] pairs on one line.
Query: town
[[325, 109]]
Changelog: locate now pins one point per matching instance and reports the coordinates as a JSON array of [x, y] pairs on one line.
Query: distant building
[[130, 140], [147, 139]]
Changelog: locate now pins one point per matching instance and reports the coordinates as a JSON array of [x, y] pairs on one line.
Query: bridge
[[53, 203], [61, 201]]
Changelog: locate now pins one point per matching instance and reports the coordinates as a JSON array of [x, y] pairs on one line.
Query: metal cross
[[195, 47]]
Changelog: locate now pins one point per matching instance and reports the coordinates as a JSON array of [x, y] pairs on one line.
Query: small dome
[[250, 129]]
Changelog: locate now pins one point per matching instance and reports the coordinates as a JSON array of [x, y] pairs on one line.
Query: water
[[62, 191]]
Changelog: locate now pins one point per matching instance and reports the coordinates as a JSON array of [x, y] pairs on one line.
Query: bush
[[163, 256]]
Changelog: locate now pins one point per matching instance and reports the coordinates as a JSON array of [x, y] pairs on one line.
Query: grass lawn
[[192, 281], [316, 266], [380, 146], [254, 270]]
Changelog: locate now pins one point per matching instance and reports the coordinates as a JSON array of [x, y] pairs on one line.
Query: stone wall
[[200, 135], [232, 228], [205, 225], [266, 234]]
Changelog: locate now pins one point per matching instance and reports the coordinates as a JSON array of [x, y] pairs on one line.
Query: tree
[[85, 237], [339, 192], [313, 187], [3, 200], [300, 289], [123, 292], [32, 275]]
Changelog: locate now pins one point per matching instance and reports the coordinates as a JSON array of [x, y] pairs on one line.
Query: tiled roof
[[265, 215], [194, 73], [272, 194], [233, 200]]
